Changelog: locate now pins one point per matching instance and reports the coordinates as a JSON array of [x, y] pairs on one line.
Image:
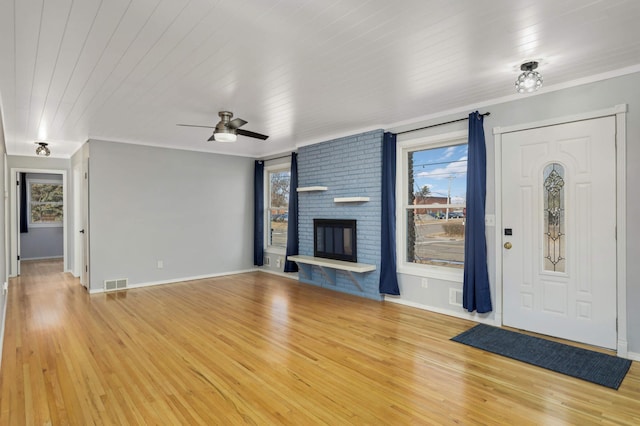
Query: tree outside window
[[279, 187], [435, 205]]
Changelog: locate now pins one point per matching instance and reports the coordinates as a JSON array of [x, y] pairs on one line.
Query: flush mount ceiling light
[[530, 80], [42, 150]]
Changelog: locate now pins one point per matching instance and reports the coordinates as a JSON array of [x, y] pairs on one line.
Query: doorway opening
[[39, 219], [41, 214]]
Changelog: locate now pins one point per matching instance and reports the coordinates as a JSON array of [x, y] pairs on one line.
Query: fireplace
[[335, 239]]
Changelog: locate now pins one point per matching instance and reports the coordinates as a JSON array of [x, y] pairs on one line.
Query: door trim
[[78, 243], [619, 111]]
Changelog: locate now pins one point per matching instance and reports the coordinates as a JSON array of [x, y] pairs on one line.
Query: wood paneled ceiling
[[297, 70]]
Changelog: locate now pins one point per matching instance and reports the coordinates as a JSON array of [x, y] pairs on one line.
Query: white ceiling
[[298, 70]]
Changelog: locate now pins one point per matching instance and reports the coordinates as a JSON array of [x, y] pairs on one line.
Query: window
[[278, 207], [45, 202], [431, 206]]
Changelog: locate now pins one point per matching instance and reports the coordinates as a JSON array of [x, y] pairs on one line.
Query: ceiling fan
[[227, 130]]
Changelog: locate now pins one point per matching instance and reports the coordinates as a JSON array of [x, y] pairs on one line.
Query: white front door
[[559, 236]]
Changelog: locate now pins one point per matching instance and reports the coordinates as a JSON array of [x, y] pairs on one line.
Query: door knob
[[508, 245]]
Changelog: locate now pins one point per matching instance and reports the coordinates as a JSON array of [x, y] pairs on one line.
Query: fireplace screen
[[335, 239]]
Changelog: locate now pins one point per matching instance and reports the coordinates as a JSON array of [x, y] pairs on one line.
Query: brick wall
[[349, 167]]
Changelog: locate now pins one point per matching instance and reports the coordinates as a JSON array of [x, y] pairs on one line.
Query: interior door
[[559, 236], [18, 215], [84, 275], [78, 223]]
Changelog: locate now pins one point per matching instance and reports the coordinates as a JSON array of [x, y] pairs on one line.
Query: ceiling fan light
[[42, 150], [225, 136], [530, 80]]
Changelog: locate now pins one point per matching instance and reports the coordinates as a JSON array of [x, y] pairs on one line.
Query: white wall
[[4, 259], [581, 99], [192, 211]]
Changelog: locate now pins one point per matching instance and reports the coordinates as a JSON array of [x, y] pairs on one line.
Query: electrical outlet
[[425, 283], [278, 262], [160, 264], [267, 260]]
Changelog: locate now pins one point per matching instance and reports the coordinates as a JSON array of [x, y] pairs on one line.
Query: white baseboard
[[176, 280], [475, 317], [42, 258], [4, 319], [634, 356]]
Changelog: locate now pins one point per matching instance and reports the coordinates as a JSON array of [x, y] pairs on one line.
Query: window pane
[[437, 180], [435, 242], [278, 207]]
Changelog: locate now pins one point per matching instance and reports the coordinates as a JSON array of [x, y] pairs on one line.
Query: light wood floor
[[259, 349]]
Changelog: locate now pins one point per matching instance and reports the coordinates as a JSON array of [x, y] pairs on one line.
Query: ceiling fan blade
[[235, 123], [195, 125], [251, 134], [212, 138]]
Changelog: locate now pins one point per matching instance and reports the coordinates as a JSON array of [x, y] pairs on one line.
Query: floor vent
[[455, 297], [111, 285]]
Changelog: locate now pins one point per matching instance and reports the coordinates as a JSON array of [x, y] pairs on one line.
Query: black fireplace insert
[[335, 239]]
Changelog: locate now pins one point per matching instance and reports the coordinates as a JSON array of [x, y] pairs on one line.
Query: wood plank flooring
[[260, 349]]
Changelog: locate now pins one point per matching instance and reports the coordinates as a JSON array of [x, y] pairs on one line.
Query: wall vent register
[[119, 284]]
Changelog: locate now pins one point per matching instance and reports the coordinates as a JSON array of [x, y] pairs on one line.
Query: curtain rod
[[276, 158], [440, 124], [399, 133]]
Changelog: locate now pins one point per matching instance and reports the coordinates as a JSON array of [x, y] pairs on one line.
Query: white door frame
[[78, 223], [7, 221], [619, 111], [13, 222], [84, 272]]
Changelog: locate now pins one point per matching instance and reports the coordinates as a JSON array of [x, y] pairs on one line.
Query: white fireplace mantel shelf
[[322, 263], [311, 188], [351, 199]]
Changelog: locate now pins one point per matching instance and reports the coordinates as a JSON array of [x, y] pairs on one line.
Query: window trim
[[274, 168], [31, 224], [402, 148]]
